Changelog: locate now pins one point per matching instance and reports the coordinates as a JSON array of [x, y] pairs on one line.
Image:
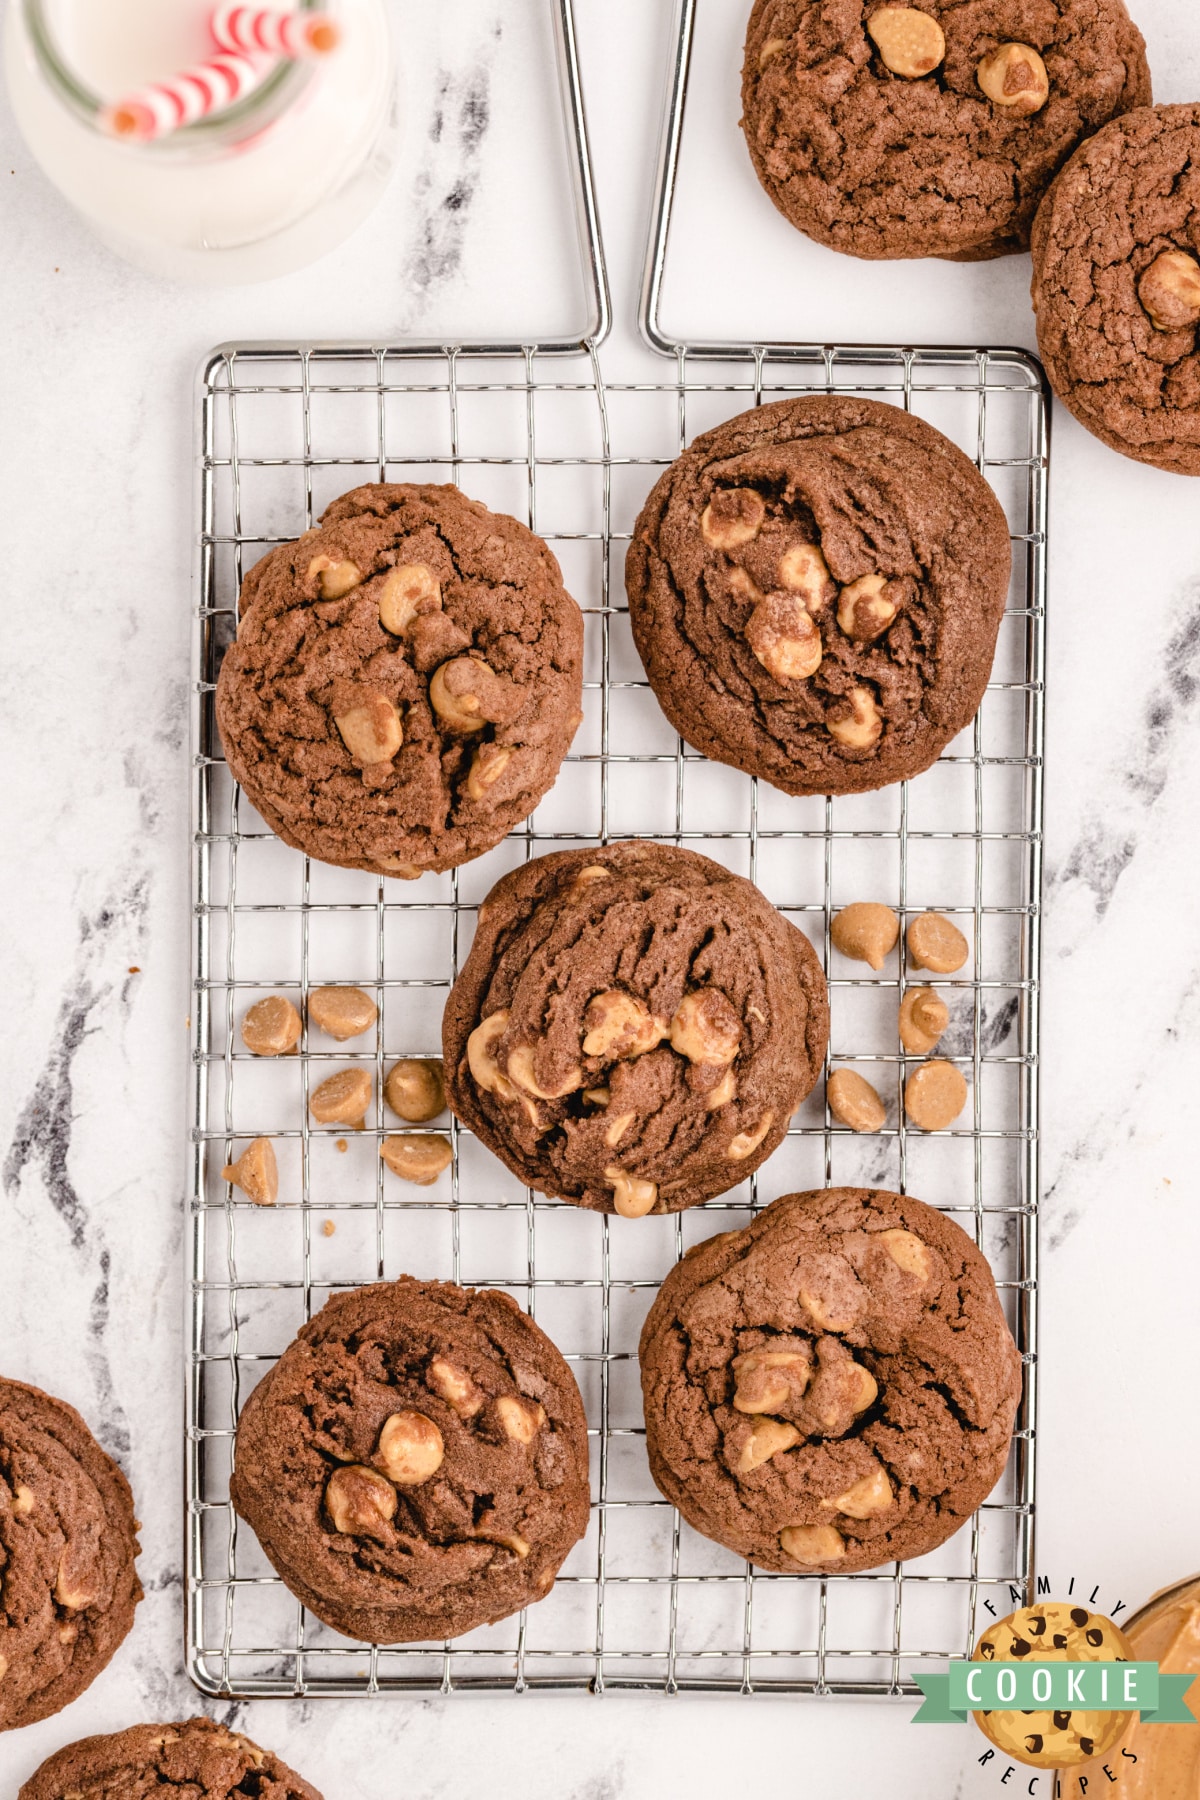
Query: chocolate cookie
[[405, 683], [1053, 1631], [633, 1028], [1116, 286], [833, 1387], [416, 1462], [197, 1758], [815, 589], [886, 130], [68, 1540]]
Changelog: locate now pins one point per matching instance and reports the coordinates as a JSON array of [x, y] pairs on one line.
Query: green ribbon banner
[[1138, 1687]]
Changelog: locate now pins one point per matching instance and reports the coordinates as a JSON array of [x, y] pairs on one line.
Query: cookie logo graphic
[[1053, 1632]]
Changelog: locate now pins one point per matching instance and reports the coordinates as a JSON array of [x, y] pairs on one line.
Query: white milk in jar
[[261, 187]]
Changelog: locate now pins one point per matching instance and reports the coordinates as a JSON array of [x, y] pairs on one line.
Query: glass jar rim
[[271, 97]]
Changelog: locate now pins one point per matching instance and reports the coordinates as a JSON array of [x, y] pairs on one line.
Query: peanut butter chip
[[342, 1012], [758, 1441], [854, 1102], [813, 1545], [406, 592], [371, 729], [1014, 78], [1170, 291], [804, 571], [410, 1448], [417, 1157], [866, 608], [333, 578], [910, 42], [733, 517], [783, 637], [865, 931], [934, 1095], [414, 1090], [935, 943], [861, 727], [343, 1099], [924, 1016], [619, 1026], [271, 1027], [359, 1501], [255, 1172], [633, 1198]]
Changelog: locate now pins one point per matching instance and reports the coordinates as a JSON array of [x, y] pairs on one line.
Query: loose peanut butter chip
[[417, 1156], [619, 1026], [854, 1102], [256, 1172], [455, 1387], [813, 1545], [870, 1495], [371, 729], [747, 1142], [633, 1198], [414, 1090], [706, 1028], [862, 728], [481, 1057], [271, 1027], [804, 571], [924, 1016], [520, 1069], [934, 943], [783, 637], [765, 1439], [359, 1500], [410, 1448], [1170, 291], [866, 931], [865, 609], [342, 1012], [405, 592], [334, 578], [1014, 78], [934, 1095], [767, 1380], [908, 1252], [733, 517], [910, 42], [343, 1099]]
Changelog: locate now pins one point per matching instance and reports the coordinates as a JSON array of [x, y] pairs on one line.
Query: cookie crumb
[[342, 1145], [328, 1228], [134, 969]]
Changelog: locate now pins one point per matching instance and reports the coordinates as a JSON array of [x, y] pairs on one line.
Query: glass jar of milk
[[263, 187]]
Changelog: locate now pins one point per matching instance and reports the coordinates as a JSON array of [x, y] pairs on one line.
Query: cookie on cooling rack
[[68, 1544], [890, 131], [196, 1757], [815, 588], [633, 1028], [1116, 286], [405, 682], [833, 1387], [416, 1462]]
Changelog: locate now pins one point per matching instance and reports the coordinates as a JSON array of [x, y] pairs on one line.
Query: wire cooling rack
[[643, 1601]]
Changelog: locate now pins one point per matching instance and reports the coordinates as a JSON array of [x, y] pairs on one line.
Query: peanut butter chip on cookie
[[733, 517], [910, 42], [783, 637], [1170, 291], [1014, 77]]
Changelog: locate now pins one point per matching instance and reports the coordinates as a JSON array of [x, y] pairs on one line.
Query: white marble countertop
[[97, 475]]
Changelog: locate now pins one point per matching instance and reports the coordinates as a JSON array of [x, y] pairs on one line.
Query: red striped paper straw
[[164, 106], [292, 34]]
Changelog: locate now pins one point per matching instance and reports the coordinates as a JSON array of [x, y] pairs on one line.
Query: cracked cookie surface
[[880, 163], [405, 682], [633, 1028], [1118, 340], [833, 1387], [196, 1758], [815, 589], [416, 1462], [68, 1544]]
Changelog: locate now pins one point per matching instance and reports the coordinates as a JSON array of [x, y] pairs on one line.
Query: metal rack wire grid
[[642, 1601]]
